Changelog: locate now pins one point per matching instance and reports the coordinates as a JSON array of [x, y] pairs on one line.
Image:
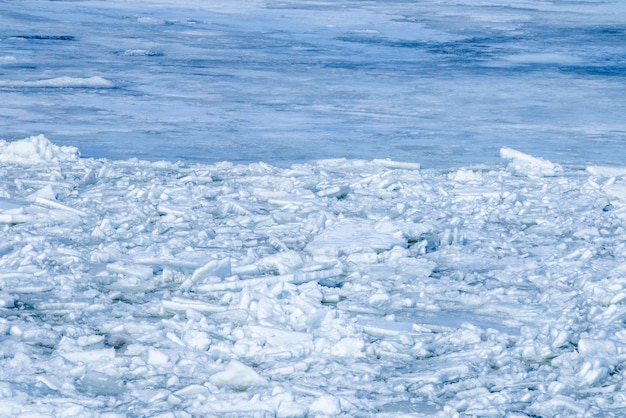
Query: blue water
[[289, 81]]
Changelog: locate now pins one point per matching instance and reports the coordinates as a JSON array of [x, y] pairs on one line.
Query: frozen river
[[355, 209], [439, 83]]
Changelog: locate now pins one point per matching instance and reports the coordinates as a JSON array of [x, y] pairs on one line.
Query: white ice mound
[[528, 165], [237, 376], [36, 150]]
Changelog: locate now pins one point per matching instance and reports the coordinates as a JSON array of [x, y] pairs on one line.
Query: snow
[[141, 288]]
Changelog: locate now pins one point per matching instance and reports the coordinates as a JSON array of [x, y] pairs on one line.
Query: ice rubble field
[[340, 287]]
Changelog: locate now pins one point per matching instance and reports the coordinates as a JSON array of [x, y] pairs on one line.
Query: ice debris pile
[[36, 150], [354, 288]]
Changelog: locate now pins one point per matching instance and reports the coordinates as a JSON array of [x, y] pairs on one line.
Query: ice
[[444, 85], [182, 305], [335, 287], [62, 82], [326, 405], [11, 219], [237, 376], [87, 356], [295, 208], [350, 236], [7, 205], [157, 358], [545, 58], [528, 165], [217, 269], [100, 384], [55, 205], [36, 150]]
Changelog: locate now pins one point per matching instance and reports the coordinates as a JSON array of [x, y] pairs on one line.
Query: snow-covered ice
[[336, 287]]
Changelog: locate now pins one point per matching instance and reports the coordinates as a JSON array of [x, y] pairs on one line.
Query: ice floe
[[337, 287]]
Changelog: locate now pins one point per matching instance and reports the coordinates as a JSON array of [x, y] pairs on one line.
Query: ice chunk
[[178, 304], [396, 164], [6, 300], [139, 271], [10, 219], [284, 262], [590, 347], [9, 205], [559, 405], [275, 336], [528, 165], [336, 191], [352, 236], [36, 150], [606, 171], [46, 192], [213, 269], [379, 299], [325, 405], [5, 248], [198, 340], [163, 263], [349, 347], [167, 210], [89, 356], [237, 376], [616, 190], [465, 175], [298, 277], [382, 327], [157, 358], [593, 372], [56, 205], [100, 384], [192, 390]]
